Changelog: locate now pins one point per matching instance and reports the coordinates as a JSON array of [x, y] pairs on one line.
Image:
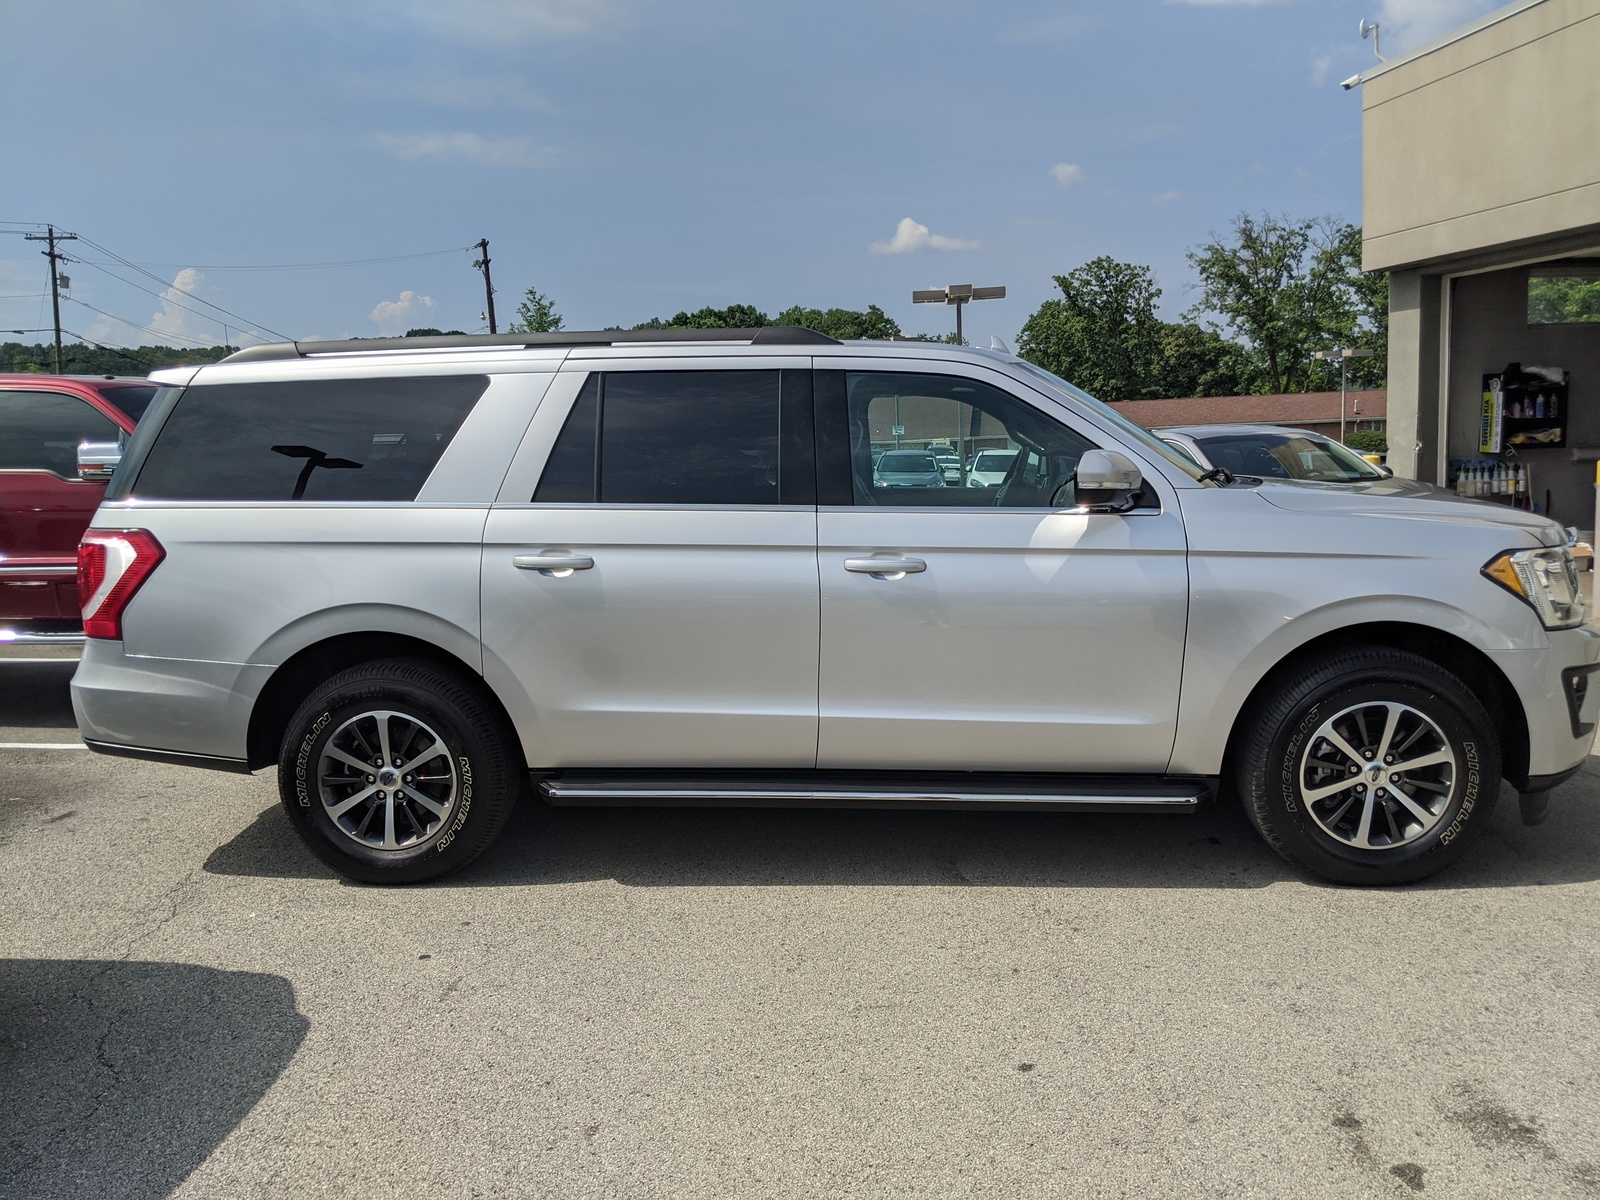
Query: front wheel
[[396, 771], [1370, 766]]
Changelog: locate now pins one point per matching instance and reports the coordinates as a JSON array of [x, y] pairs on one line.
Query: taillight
[[112, 565]]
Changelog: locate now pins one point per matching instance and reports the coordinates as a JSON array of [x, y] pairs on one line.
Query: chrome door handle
[[557, 565], [886, 566]]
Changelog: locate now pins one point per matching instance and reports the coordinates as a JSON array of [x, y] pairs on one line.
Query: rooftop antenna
[[1370, 29]]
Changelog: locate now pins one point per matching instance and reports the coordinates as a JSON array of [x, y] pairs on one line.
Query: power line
[[315, 266], [154, 332], [160, 297], [175, 287], [111, 350]]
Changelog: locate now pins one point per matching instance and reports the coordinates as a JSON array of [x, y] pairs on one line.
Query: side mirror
[[1385, 470], [98, 460], [1106, 480]]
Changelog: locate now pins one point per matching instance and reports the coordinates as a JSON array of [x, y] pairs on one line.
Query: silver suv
[[424, 577]]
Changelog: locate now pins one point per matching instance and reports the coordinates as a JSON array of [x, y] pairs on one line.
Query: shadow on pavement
[[36, 696], [120, 1078], [762, 847]]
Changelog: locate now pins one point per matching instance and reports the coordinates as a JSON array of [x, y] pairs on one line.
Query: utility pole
[[482, 246], [55, 285]]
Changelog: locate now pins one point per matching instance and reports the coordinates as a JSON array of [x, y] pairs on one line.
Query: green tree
[[536, 314], [1287, 288], [1563, 299], [846, 324], [433, 332], [735, 316], [1103, 333], [1200, 362], [78, 358], [1367, 441]]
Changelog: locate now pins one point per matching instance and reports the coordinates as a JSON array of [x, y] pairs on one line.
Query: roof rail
[[771, 335]]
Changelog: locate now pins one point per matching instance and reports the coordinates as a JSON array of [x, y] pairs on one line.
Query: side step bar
[[887, 789]]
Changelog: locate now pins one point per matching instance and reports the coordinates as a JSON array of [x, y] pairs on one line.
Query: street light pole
[[1344, 354], [959, 294]]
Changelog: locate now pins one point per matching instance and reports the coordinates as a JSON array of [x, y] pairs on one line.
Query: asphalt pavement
[[768, 1003]]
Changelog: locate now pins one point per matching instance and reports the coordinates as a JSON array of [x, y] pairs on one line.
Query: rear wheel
[[397, 771], [1371, 766]]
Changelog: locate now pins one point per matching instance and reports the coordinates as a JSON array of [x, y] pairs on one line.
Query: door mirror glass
[[98, 460], [1107, 479]]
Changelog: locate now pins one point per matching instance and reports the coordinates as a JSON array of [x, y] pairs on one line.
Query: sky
[[631, 158]]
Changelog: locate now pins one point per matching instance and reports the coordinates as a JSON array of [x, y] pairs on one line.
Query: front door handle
[[886, 566], [556, 564]]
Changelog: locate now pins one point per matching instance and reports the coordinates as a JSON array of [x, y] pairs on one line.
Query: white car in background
[[989, 468]]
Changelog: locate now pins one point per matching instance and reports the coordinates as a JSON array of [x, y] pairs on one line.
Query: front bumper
[[1560, 692]]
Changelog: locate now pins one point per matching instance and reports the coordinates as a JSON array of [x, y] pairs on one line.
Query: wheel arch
[[304, 670], [1476, 670]]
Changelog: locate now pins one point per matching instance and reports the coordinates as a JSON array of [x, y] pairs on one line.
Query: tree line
[[1268, 295]]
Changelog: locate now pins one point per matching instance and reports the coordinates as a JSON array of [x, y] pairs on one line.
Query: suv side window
[[317, 439], [685, 438], [41, 431], [893, 420]]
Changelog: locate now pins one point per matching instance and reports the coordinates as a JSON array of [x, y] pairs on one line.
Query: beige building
[[1481, 159]]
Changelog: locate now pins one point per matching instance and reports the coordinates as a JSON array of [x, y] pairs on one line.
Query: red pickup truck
[[45, 503]]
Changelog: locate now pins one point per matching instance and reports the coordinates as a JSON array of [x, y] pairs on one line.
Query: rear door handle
[[886, 566], [556, 564]]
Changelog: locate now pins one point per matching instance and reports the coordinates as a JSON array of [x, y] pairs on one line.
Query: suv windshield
[[1286, 456]]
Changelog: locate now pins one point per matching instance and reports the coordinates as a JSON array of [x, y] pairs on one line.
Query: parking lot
[[631, 1002]]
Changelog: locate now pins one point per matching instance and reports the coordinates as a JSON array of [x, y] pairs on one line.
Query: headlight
[[1546, 579]]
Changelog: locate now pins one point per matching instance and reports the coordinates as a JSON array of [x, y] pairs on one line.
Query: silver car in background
[[424, 578]]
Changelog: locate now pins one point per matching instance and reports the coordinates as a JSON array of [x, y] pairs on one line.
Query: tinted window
[[894, 407], [672, 437], [334, 439], [689, 437], [569, 475], [131, 400], [41, 431]]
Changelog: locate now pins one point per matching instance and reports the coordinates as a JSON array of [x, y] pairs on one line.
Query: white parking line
[[42, 746]]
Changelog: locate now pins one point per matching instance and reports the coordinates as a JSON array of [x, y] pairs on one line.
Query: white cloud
[[1231, 3], [1406, 24], [1068, 175], [1061, 28], [1321, 66], [1168, 198], [911, 235], [499, 21], [411, 311], [508, 91], [463, 147], [174, 321]]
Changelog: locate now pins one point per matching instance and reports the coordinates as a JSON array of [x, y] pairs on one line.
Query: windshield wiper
[[1220, 474]]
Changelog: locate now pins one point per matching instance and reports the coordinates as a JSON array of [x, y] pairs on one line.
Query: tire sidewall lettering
[[302, 758], [464, 767], [1291, 758]]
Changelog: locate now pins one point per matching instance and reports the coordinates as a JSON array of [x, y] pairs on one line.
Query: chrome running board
[[887, 789]]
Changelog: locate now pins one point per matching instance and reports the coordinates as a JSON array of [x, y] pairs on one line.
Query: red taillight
[[112, 565]]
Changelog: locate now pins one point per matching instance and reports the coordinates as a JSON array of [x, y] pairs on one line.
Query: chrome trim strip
[[21, 637], [555, 789], [41, 569]]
